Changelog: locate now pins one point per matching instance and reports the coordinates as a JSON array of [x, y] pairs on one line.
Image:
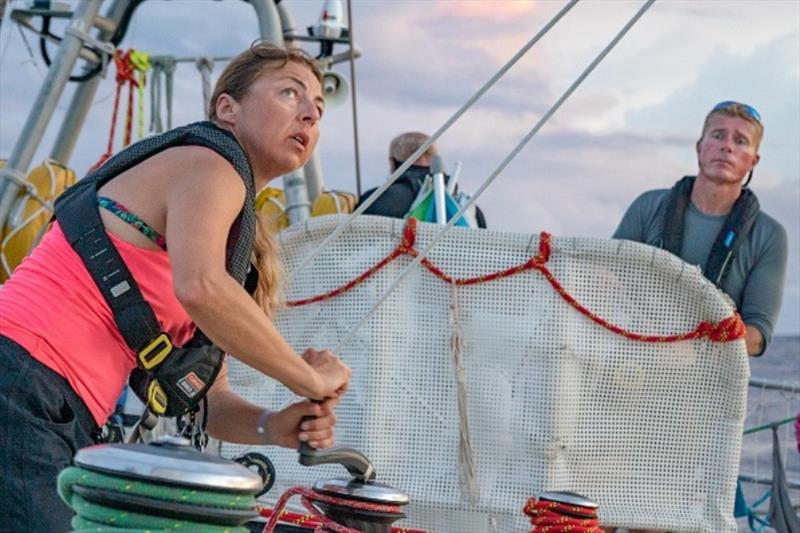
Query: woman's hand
[[333, 374], [288, 429]]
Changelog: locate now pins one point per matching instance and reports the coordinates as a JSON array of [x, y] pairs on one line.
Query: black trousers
[[42, 424]]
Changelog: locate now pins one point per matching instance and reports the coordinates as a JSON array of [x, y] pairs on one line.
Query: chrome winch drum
[[357, 491]]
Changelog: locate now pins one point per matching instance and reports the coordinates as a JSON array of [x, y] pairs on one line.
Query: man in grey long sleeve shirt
[[714, 221]]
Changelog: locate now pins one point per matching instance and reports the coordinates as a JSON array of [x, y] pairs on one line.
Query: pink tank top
[[52, 308]]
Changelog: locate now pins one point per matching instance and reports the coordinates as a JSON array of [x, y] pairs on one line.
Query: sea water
[[780, 363]]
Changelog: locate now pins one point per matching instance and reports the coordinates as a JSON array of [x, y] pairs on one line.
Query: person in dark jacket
[[396, 201]]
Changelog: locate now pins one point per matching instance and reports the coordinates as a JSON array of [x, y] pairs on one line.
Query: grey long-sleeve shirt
[[755, 280]]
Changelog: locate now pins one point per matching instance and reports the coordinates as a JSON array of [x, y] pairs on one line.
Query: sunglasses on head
[[751, 111]]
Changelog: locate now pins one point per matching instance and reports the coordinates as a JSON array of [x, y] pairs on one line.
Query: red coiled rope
[[554, 517], [728, 329], [316, 519]]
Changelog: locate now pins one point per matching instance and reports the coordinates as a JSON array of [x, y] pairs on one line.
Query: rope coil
[[319, 521], [555, 517]]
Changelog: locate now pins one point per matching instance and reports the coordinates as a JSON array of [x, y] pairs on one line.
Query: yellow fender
[[30, 213], [271, 203], [333, 203]]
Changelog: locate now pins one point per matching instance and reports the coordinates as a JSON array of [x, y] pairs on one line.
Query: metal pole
[[775, 385], [269, 21], [298, 208], [313, 169], [287, 24], [13, 175], [353, 97], [313, 174], [83, 96]]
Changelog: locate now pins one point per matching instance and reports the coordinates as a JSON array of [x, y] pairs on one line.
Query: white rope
[[424, 253], [466, 459], [205, 65], [163, 67], [422, 149]]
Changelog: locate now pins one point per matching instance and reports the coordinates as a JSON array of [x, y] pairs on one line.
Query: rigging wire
[[353, 96], [424, 253], [422, 149], [5, 24], [31, 57]]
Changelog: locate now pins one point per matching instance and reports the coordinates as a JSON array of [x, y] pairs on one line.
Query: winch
[[352, 505], [157, 486]]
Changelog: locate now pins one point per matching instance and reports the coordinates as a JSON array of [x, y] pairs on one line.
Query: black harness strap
[[734, 231], [188, 372], [86, 234]]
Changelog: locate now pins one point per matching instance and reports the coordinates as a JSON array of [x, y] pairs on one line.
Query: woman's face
[[277, 120]]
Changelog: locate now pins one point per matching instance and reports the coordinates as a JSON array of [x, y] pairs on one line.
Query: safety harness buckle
[[155, 352], [156, 398]]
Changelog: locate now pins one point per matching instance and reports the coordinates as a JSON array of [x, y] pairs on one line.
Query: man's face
[[727, 151]]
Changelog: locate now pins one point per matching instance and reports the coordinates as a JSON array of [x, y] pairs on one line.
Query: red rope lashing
[[729, 329], [554, 517], [125, 74], [405, 247], [319, 521]]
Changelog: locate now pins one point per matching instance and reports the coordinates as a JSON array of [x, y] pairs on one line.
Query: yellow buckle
[[156, 399], [154, 353]]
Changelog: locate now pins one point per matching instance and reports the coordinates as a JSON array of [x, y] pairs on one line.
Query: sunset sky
[[631, 126]]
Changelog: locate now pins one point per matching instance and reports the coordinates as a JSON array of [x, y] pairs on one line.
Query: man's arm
[[632, 226], [763, 292]]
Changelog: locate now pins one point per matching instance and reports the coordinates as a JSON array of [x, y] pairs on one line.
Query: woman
[[63, 358]]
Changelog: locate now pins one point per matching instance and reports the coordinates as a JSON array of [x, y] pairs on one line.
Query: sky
[[631, 126]]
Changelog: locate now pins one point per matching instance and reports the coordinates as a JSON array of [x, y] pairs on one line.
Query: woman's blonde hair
[[242, 71], [266, 259]]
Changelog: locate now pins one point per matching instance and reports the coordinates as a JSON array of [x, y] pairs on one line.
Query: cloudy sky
[[631, 125]]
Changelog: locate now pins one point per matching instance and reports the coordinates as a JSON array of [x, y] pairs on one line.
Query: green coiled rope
[[94, 517]]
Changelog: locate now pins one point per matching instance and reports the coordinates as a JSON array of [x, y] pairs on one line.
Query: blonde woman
[[180, 217]]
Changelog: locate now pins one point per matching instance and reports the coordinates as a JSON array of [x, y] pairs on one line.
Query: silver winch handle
[[354, 461]]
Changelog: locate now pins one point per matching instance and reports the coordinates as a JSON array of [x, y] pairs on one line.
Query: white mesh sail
[[652, 432]]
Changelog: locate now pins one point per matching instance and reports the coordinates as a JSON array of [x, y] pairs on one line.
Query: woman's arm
[[201, 204], [234, 419]]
